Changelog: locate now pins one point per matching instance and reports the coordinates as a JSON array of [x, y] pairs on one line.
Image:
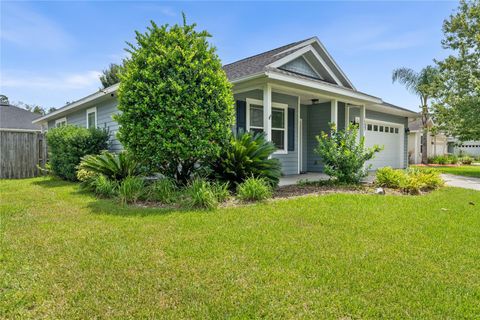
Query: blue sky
[[52, 52]]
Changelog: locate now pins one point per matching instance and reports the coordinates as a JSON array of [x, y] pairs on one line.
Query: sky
[[53, 52]]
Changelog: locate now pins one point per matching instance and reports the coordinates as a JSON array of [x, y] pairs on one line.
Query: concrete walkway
[[461, 181]]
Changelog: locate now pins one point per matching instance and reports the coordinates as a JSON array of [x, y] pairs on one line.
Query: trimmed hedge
[[68, 144]]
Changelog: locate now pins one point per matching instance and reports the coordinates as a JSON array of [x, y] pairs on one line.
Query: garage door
[[390, 136]]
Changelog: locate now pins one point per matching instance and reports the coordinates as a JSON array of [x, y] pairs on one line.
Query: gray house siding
[[301, 66], [289, 161], [105, 111]]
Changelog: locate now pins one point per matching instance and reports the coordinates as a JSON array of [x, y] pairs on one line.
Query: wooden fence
[[20, 153]]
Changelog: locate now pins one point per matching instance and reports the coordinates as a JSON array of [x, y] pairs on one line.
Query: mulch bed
[[312, 189]]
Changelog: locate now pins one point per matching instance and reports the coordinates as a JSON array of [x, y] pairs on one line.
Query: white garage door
[[390, 136]]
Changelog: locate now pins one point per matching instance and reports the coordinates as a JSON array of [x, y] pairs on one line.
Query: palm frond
[[408, 77]]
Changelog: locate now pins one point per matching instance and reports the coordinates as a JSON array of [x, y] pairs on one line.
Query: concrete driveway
[[461, 181]]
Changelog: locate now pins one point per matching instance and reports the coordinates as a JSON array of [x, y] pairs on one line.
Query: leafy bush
[[443, 159], [131, 189], [87, 179], [254, 189], [163, 190], [247, 156], [114, 166], [453, 159], [200, 194], [466, 160], [221, 190], [390, 178], [411, 181], [68, 144], [105, 187], [343, 156], [175, 100]]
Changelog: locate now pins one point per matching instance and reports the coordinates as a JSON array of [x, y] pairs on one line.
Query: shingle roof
[[12, 117], [257, 63]]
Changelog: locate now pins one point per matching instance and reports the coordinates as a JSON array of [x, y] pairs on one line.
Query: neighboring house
[[21, 143], [291, 93], [439, 144], [436, 143]]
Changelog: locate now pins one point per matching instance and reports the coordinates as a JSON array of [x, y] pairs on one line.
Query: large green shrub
[[68, 144], [411, 181], [247, 155], [390, 178], [343, 155], [175, 100]]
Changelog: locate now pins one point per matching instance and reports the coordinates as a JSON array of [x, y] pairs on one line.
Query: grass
[[467, 171], [66, 255]]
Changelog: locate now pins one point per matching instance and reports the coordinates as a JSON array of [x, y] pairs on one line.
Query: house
[[291, 93], [438, 143], [21, 143]]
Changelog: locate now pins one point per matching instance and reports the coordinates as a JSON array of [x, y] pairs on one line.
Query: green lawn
[[468, 171], [66, 255]]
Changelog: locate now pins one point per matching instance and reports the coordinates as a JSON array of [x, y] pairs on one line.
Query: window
[[369, 127], [92, 117], [396, 130], [279, 128], [255, 123], [61, 122], [375, 127], [392, 130], [381, 128]]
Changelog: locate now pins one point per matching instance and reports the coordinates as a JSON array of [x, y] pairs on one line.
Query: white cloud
[[27, 81], [29, 29]]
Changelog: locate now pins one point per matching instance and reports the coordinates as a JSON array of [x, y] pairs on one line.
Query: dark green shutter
[[291, 129], [241, 116]]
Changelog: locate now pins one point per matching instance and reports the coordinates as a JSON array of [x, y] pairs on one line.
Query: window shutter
[[241, 116], [291, 129]]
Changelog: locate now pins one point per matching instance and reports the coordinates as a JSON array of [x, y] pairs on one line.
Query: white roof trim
[[324, 86], [320, 44], [300, 53], [78, 103], [20, 130]]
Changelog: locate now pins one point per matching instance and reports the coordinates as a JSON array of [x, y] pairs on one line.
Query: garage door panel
[[389, 136]]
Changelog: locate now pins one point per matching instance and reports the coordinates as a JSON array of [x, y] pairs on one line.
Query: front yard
[[67, 255]]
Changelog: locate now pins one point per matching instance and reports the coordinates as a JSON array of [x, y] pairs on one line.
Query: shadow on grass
[[112, 207], [52, 182]]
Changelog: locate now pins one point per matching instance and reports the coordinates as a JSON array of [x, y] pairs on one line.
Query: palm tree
[[421, 84]]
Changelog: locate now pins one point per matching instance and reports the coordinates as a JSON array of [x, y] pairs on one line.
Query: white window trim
[[91, 110], [274, 105], [64, 119]]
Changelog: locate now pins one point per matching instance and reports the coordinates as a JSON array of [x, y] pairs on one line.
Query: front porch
[[292, 118]]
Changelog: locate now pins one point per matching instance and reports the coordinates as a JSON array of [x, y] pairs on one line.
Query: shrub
[[131, 189], [221, 190], [390, 178], [199, 194], [87, 179], [453, 159], [466, 160], [114, 166], [343, 156], [163, 190], [247, 155], [105, 187], [175, 100], [411, 181], [254, 189], [68, 144], [439, 160]]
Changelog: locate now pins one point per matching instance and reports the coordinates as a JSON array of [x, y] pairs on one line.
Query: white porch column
[[347, 116], [267, 111], [362, 121], [334, 112]]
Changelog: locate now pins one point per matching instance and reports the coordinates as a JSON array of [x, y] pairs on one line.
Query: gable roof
[[16, 118], [273, 60]]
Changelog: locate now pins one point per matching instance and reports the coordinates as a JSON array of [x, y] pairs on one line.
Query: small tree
[[110, 76], [343, 155], [175, 100], [424, 85]]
